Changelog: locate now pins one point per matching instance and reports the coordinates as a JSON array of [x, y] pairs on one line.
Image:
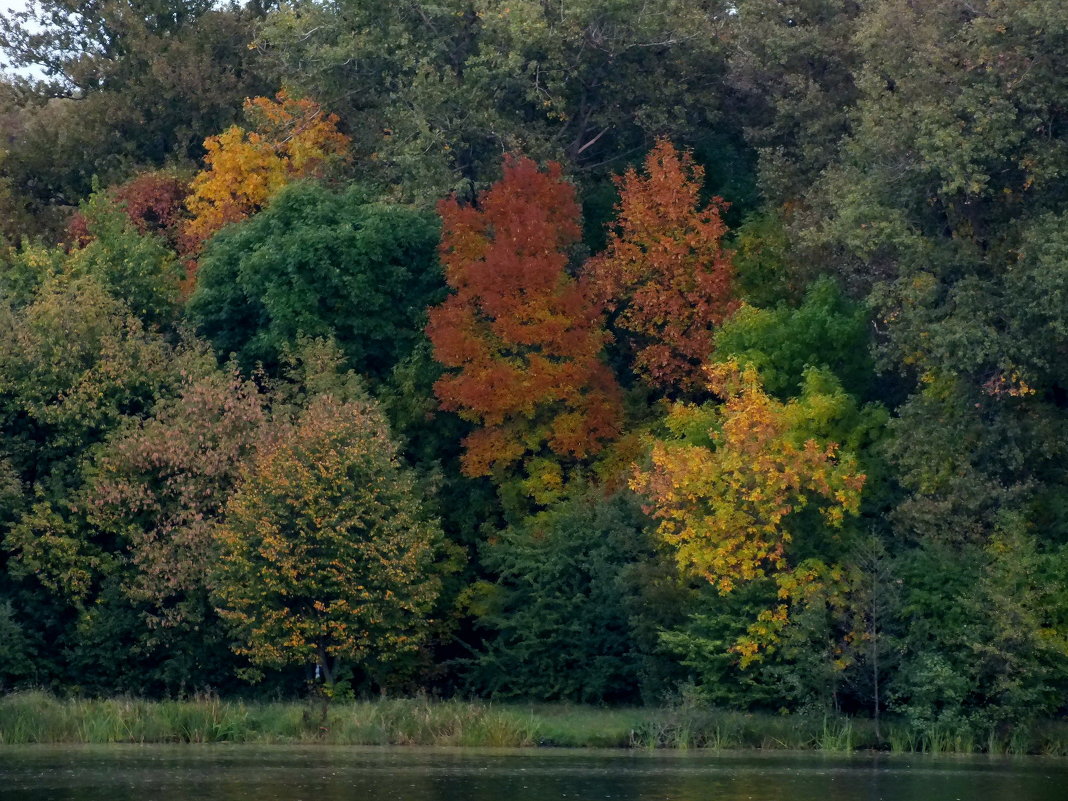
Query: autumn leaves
[[524, 335]]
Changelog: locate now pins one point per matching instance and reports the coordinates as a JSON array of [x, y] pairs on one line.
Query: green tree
[[320, 263], [586, 83], [792, 66], [827, 331], [129, 84], [570, 611]]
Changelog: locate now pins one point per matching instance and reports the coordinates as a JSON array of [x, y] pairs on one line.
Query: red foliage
[[664, 271], [154, 202], [523, 337]]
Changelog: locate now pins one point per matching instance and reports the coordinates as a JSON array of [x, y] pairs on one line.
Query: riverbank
[[35, 717]]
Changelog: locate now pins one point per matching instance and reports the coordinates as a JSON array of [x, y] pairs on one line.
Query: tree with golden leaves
[[726, 487], [664, 274], [290, 138], [522, 342]]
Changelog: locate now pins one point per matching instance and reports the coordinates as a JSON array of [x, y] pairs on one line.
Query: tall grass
[[36, 717]]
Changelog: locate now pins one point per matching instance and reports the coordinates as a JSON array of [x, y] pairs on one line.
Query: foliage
[[327, 556], [525, 341], [16, 662], [588, 84], [290, 138], [793, 67], [880, 296], [982, 635], [725, 488], [826, 331], [133, 266], [75, 365], [319, 263], [565, 608], [160, 487], [154, 201], [116, 88], [664, 272]]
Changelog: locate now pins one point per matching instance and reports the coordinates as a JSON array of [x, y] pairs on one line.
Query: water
[[326, 773]]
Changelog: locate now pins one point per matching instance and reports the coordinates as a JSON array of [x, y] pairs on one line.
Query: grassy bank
[[42, 718]]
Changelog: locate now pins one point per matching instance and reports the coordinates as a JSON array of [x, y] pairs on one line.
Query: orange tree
[[523, 344], [664, 274], [327, 554]]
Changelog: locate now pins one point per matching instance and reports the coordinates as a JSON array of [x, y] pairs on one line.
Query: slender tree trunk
[[873, 636]]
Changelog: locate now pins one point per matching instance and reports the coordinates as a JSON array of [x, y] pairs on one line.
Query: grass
[[36, 717]]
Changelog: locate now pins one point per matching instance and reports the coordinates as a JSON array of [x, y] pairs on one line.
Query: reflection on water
[[288, 773]]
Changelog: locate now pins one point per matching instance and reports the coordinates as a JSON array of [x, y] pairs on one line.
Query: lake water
[[326, 773]]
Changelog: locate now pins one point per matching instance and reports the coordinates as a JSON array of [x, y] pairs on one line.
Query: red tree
[[664, 272], [154, 202], [522, 338]]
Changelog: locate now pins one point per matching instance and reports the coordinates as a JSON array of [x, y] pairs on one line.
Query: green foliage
[[588, 84], [16, 658], [74, 364], [794, 65], [319, 263], [136, 268], [826, 331], [565, 612], [982, 635]]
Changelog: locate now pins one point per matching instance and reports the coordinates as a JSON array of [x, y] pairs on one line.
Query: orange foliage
[[518, 329], [664, 271], [290, 139]]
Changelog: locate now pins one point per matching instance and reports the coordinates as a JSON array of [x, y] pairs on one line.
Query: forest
[[598, 351]]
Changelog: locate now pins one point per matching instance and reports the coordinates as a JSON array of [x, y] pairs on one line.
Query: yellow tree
[[289, 139], [725, 488]]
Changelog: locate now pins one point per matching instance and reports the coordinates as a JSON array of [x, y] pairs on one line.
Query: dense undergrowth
[[39, 718]]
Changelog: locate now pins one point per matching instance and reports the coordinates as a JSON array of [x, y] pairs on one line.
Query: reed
[[38, 717]]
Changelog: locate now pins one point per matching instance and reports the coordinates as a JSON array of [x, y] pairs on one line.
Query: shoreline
[[28, 718]]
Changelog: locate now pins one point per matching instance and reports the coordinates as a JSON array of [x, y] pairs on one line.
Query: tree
[[153, 201], [327, 554], [792, 67], [727, 490], [87, 45], [135, 267], [290, 138], [827, 330], [521, 338], [161, 484], [158, 488], [571, 612], [588, 83], [320, 263], [129, 84], [76, 365], [664, 273]]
